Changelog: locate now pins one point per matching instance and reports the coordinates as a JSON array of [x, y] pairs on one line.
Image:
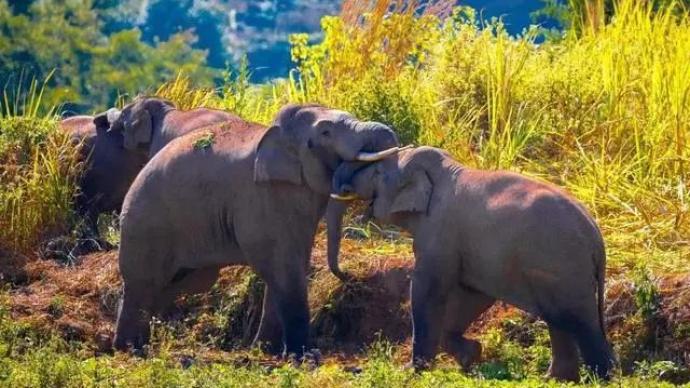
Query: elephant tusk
[[376, 156], [348, 197]]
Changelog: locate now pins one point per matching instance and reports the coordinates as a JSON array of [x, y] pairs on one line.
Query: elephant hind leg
[[564, 355], [462, 308], [595, 350]]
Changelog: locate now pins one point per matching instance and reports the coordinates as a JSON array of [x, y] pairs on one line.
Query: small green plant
[[56, 306], [647, 298], [205, 141], [652, 370]]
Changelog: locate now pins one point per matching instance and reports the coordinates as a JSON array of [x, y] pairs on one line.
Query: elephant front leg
[[270, 333], [428, 295], [288, 285], [134, 314]]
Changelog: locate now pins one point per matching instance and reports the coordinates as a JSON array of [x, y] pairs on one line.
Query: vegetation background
[[600, 106]]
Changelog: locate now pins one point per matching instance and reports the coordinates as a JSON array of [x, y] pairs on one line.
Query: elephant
[[108, 169], [117, 144], [149, 123], [250, 195], [481, 236]]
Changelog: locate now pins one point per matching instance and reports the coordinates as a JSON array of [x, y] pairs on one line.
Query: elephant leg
[[581, 321], [197, 281], [462, 308], [428, 295], [564, 355], [288, 284], [134, 314], [270, 333], [594, 348]]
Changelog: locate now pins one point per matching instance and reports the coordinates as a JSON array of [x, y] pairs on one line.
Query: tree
[[65, 38], [165, 18]]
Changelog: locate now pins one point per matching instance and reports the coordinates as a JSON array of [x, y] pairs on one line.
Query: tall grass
[[38, 170]]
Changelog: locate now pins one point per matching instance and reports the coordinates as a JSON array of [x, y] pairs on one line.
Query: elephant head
[[137, 119], [308, 143], [397, 187]]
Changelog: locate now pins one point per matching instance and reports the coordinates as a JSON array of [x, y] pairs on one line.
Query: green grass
[[29, 358]]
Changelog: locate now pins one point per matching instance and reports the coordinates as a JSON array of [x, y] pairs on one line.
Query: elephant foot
[[419, 364], [134, 344], [465, 351], [270, 347], [309, 360], [564, 371]]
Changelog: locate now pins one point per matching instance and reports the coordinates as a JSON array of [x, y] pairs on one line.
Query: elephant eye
[[326, 133]]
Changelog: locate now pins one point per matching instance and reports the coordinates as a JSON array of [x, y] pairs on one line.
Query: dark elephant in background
[[108, 168], [117, 144], [149, 123], [253, 196], [486, 235]]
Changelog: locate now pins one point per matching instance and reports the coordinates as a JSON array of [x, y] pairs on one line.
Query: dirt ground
[[79, 302]]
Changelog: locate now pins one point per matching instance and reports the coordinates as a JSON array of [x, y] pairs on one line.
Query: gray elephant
[[149, 123], [246, 195], [108, 169], [117, 144], [486, 235]]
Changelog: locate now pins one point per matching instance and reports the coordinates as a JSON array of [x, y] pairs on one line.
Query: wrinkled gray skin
[[254, 197], [149, 123], [484, 235], [108, 171]]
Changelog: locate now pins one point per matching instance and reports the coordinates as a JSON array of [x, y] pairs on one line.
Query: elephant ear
[[276, 159], [414, 193], [101, 122], [143, 127]]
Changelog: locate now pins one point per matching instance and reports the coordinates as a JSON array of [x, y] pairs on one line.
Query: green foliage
[[89, 68], [204, 141], [647, 296]]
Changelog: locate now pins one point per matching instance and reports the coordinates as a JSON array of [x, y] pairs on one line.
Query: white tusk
[[376, 156], [350, 197]]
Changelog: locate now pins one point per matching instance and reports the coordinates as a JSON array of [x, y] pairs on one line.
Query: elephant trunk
[[334, 222], [378, 141]]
